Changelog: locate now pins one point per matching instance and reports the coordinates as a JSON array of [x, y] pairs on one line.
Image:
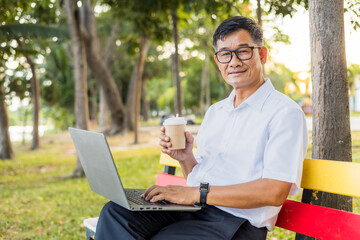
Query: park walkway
[[354, 124]]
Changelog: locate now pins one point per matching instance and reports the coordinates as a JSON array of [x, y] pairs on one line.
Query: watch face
[[204, 186]]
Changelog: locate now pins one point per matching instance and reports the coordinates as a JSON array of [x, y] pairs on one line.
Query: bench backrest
[[332, 176], [322, 222], [311, 220]]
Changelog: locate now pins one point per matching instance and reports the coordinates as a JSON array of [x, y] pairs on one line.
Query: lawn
[[38, 201]]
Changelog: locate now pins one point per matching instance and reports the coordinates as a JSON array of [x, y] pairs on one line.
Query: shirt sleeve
[[287, 141]]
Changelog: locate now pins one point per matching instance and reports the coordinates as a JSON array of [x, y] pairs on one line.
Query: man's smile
[[237, 72]]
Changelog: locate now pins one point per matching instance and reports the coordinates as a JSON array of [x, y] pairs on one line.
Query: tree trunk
[[258, 12], [110, 49], [6, 151], [131, 99], [134, 90], [178, 104], [104, 111], [101, 72], [145, 102], [35, 97], [144, 47], [205, 88], [24, 124], [93, 101], [81, 99], [331, 121], [109, 55]]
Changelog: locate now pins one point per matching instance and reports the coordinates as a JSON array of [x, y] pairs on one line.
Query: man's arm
[[257, 193]]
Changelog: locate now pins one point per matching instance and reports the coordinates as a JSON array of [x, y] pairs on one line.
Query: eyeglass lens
[[243, 53]]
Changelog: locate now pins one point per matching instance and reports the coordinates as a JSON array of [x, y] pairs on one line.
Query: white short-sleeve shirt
[[264, 137]]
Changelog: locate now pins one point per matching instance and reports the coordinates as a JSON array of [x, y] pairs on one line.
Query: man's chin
[[237, 83]]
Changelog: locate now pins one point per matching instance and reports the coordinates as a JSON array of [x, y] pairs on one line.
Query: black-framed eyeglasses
[[242, 53]]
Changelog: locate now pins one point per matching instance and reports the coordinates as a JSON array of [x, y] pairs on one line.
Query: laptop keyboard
[[133, 195]]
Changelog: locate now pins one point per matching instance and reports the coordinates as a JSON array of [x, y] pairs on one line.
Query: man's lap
[[208, 223], [116, 222]]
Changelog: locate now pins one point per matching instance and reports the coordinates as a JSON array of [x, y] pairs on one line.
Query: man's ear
[[263, 51]]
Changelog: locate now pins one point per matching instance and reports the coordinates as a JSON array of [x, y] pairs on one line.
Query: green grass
[[37, 202]]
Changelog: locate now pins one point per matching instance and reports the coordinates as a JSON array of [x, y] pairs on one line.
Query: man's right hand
[[180, 154]]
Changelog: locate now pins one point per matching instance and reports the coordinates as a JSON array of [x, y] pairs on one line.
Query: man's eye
[[243, 52], [224, 54]]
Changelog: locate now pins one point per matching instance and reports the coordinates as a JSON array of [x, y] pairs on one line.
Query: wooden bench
[[311, 220]]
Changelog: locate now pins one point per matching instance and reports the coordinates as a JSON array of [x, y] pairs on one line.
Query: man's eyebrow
[[240, 45]]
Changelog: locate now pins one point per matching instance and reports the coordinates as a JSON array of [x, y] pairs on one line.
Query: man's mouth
[[237, 72]]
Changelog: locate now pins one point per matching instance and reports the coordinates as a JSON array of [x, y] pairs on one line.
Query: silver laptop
[[99, 167]]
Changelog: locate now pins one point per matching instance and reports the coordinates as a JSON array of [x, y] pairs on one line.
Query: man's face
[[237, 73]]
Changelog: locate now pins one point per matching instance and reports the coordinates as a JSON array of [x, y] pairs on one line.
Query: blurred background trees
[[141, 60], [26, 28]]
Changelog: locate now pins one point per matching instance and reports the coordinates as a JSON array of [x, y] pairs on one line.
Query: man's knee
[[112, 210], [112, 223], [107, 208]]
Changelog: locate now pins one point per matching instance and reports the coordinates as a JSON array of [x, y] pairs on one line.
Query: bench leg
[[90, 235], [170, 170]]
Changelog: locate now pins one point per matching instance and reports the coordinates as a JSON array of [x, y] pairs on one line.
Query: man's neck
[[241, 94]]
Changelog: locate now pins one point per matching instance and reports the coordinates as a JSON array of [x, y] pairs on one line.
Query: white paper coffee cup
[[175, 129]]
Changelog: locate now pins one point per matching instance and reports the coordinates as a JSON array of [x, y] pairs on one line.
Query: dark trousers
[[116, 222]]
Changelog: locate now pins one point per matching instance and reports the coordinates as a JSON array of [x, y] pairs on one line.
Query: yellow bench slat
[[167, 160], [332, 176]]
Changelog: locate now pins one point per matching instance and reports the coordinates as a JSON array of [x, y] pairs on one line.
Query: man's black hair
[[237, 23]]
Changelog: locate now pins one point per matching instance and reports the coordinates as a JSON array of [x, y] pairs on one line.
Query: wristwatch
[[204, 189]]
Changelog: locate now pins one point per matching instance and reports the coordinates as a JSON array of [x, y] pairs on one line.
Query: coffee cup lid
[[175, 121]]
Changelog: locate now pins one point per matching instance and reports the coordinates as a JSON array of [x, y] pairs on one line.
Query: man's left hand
[[172, 193]]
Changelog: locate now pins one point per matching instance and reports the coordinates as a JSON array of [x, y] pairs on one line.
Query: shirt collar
[[256, 100]]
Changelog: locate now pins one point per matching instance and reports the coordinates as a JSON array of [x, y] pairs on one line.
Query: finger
[[165, 150], [165, 144], [148, 191], [157, 198], [164, 137], [162, 129], [155, 190]]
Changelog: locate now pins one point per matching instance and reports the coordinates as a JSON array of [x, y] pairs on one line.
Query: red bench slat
[[319, 222], [164, 179]]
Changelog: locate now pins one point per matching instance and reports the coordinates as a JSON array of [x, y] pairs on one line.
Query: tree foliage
[[41, 25]]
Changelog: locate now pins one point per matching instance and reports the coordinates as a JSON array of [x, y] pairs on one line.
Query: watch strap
[[204, 189]]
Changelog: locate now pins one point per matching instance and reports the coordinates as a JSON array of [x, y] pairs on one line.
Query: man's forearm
[[258, 193]]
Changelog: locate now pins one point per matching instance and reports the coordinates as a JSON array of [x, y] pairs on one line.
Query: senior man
[[250, 151]]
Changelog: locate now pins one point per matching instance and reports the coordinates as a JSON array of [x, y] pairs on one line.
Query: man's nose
[[235, 61]]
